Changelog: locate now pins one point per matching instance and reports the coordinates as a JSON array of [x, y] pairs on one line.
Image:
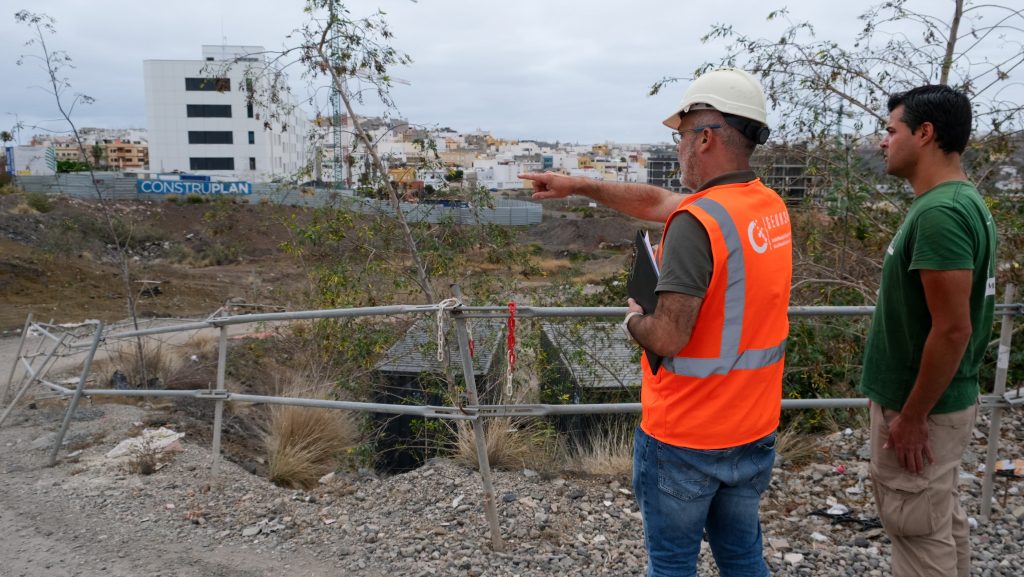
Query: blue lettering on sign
[[182, 187]]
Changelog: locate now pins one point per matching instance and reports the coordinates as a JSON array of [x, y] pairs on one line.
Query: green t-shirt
[[947, 228]]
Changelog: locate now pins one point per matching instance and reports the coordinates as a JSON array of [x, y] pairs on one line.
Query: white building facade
[[204, 117], [495, 174]]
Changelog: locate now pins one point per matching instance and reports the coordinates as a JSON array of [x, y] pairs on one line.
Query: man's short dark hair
[[948, 110]]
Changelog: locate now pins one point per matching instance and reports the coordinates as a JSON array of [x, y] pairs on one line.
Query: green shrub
[[584, 211], [39, 201], [218, 254], [823, 360], [133, 235]]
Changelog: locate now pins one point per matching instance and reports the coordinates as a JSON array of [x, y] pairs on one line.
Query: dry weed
[[794, 447], [552, 265], [22, 209], [192, 365], [608, 451], [124, 357], [511, 443], [8, 187], [144, 458], [195, 364], [304, 443]]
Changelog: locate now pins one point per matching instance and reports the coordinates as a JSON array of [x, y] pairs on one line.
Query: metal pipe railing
[[472, 411], [1002, 368]]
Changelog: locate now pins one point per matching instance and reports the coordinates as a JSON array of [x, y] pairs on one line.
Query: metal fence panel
[[115, 186]]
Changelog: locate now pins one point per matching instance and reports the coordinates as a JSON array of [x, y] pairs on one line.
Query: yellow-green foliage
[[39, 201]]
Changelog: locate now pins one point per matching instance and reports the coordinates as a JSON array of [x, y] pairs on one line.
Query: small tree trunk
[[422, 277], [954, 29], [119, 243]]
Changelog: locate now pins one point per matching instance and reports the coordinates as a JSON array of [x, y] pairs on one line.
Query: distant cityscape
[[205, 119]]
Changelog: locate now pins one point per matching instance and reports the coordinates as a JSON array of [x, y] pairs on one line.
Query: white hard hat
[[727, 90]]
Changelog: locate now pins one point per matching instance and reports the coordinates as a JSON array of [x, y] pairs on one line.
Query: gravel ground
[[88, 516]]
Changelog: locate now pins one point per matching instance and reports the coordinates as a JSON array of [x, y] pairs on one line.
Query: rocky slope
[[89, 516]]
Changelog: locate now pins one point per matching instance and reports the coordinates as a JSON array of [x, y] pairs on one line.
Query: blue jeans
[[684, 492]]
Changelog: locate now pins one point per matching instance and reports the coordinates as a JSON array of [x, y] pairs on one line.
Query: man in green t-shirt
[[928, 335]]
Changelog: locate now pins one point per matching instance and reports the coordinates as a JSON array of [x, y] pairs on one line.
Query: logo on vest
[[769, 232], [756, 233]]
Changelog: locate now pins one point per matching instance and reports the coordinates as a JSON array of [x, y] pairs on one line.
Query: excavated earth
[[90, 515]]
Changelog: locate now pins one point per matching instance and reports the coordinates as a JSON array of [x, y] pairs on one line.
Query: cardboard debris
[[1016, 465], [1013, 467], [162, 440]]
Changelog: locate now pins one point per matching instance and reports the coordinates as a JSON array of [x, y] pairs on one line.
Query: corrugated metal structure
[[416, 352], [592, 356], [112, 185], [115, 186], [413, 375]]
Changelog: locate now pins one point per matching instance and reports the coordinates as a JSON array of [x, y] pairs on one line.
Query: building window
[[252, 137], [210, 137], [227, 163], [208, 110], [248, 110], [208, 84], [252, 163]]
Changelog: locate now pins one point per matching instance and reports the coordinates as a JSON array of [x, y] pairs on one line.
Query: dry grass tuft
[[606, 452], [124, 357], [304, 443], [192, 365], [511, 443], [8, 187], [794, 447]]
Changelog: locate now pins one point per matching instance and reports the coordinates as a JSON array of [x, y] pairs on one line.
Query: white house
[[495, 174]]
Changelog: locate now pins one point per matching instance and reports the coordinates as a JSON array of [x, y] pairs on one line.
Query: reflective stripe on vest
[[729, 357]]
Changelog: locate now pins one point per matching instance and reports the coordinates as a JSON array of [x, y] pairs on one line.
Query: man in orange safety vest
[[705, 447]]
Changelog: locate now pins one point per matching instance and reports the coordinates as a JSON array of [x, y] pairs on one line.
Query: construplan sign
[[191, 187]]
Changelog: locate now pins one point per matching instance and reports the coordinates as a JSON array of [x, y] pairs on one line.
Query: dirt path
[[46, 537], [88, 518]]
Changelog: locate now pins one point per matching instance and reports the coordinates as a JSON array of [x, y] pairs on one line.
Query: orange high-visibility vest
[[724, 388]]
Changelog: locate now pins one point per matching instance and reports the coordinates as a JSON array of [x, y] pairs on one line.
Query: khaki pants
[[922, 513]]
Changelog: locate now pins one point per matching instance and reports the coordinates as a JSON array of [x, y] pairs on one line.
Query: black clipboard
[[642, 282]]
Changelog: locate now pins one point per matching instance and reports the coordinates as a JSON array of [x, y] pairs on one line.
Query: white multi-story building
[[208, 117], [495, 174]]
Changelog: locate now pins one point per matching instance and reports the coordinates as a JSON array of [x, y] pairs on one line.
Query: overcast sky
[[552, 70]]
